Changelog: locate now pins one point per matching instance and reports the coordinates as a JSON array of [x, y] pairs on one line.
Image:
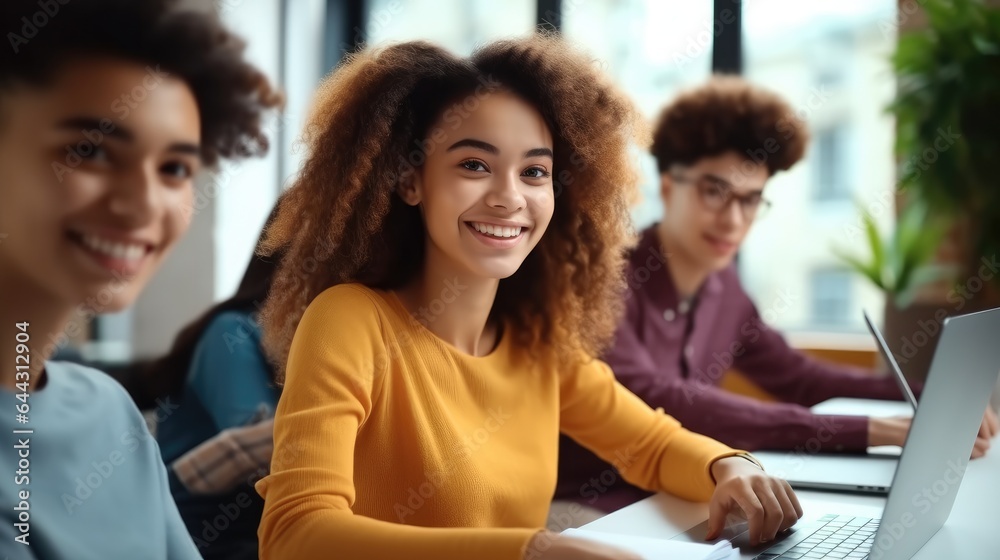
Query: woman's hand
[[546, 545], [768, 503]]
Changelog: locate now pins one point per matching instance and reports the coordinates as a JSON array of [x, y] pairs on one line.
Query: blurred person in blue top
[[109, 109], [214, 378]]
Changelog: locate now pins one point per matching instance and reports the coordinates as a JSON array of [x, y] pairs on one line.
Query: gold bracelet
[[751, 458]]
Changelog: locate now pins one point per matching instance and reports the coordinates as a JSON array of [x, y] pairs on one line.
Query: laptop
[[929, 471], [866, 474], [904, 386]]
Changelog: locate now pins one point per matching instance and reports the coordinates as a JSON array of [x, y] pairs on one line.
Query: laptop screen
[[887, 355]]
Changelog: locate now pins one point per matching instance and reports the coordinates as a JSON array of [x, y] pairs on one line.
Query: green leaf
[[898, 262], [922, 276], [948, 76], [928, 274], [903, 239], [865, 269], [874, 243], [985, 45]]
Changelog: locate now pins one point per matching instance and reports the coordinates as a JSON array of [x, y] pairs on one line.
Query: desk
[[972, 532]]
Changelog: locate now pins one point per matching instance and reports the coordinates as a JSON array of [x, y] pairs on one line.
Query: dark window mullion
[[549, 14], [727, 46], [345, 28]]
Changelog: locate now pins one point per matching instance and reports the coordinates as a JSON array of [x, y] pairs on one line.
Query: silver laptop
[[832, 472], [868, 474], [904, 386], [936, 453]]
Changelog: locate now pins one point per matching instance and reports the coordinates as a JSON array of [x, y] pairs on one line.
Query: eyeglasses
[[716, 194]]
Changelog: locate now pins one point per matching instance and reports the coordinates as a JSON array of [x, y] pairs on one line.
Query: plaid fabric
[[231, 458]]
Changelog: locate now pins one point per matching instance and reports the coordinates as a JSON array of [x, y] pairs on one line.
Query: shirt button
[[683, 307], [669, 315], [689, 351]]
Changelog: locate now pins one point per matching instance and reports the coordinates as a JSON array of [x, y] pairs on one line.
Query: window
[[830, 60], [830, 165], [830, 301], [457, 25], [652, 49], [831, 77], [832, 56]]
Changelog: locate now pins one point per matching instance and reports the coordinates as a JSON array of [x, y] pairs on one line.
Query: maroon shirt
[[675, 358]]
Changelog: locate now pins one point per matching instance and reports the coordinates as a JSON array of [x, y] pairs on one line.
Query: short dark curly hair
[[192, 45], [728, 113]]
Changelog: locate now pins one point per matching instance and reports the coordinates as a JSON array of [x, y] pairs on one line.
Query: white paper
[[659, 549]]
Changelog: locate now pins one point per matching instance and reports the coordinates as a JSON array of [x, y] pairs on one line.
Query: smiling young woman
[[504, 233]]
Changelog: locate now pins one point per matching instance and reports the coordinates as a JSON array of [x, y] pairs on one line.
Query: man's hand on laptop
[[893, 430], [987, 431], [768, 503], [888, 431], [991, 425]]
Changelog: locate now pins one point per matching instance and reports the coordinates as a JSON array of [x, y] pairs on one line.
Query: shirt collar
[[649, 256]]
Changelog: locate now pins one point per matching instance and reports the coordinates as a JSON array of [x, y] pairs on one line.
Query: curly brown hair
[[192, 45], [342, 220], [727, 113]]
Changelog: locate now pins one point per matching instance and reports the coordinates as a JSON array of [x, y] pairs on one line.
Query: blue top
[[97, 488], [229, 384]]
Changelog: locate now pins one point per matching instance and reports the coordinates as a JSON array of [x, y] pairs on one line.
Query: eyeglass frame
[[749, 213]]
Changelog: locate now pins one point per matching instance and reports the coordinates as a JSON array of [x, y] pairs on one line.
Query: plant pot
[[912, 333]]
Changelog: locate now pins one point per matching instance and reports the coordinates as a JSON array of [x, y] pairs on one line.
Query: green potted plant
[[901, 264], [948, 125], [948, 81]]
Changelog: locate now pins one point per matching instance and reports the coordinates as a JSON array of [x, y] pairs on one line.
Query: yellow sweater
[[391, 444]]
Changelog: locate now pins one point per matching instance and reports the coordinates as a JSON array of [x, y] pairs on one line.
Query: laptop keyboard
[[838, 536]]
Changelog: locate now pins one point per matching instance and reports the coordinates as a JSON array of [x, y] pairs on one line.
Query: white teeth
[[121, 251], [497, 231]]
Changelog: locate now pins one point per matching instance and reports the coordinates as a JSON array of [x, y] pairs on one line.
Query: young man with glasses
[[688, 319]]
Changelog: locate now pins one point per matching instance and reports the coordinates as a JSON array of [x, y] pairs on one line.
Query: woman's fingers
[[717, 512], [752, 508], [773, 513], [790, 508], [768, 503]]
